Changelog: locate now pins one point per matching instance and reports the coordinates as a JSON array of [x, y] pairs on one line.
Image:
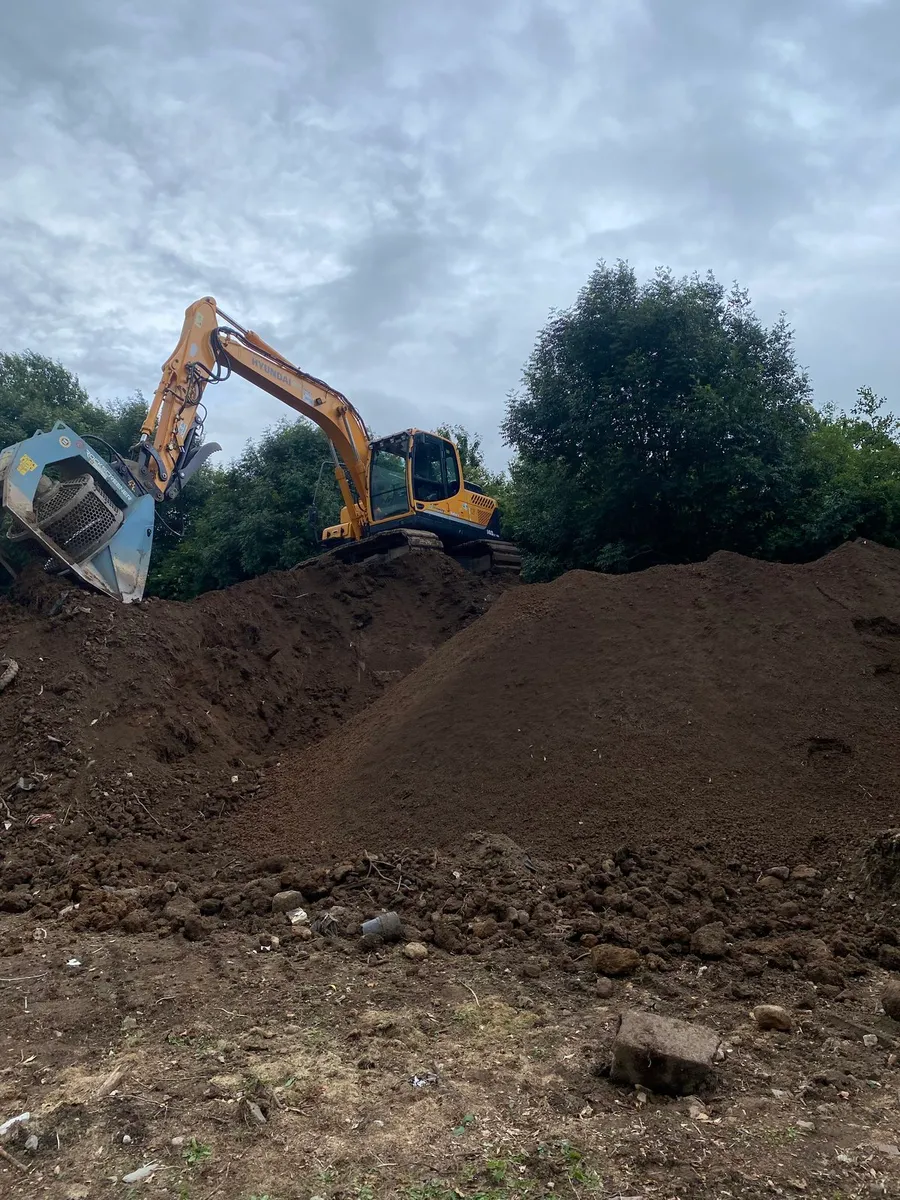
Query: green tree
[[658, 422], [250, 517], [36, 392], [853, 475]]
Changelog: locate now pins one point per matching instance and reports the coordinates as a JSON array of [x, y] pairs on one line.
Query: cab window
[[428, 468], [451, 469], [388, 485]]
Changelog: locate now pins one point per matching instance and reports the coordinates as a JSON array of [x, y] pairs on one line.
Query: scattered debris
[[141, 1173], [13, 1162], [21, 1119], [387, 926], [9, 669]]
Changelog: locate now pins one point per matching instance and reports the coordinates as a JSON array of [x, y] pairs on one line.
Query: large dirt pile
[[131, 724], [745, 704]]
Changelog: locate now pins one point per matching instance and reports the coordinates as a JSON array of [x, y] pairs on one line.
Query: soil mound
[[744, 704], [142, 722]]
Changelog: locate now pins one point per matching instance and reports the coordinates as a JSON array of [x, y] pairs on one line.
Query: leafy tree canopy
[[658, 422]]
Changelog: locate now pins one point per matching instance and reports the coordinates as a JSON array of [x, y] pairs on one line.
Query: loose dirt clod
[[890, 999]]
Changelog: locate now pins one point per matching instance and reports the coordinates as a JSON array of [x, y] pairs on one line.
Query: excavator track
[[386, 545], [482, 556], [478, 556]]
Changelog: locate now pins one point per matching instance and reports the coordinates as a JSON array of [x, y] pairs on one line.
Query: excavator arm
[[94, 514], [212, 346]]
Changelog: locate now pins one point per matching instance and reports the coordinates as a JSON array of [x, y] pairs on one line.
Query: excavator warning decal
[[25, 464]]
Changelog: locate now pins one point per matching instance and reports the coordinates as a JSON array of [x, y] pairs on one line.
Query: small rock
[[32, 1143], [129, 1023], [614, 960], [709, 941], [663, 1054], [870, 1040], [177, 1142], [415, 951], [604, 988], [772, 1016], [804, 873], [770, 883], [890, 1000], [484, 928], [781, 873], [126, 1139], [283, 902], [170, 886], [806, 1127], [255, 1113]]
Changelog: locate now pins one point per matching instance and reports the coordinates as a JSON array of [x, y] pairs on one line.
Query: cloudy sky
[[396, 192]]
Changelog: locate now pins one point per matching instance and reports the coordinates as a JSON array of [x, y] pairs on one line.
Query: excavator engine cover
[[84, 514]]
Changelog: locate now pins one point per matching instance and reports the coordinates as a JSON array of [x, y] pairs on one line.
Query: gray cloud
[[395, 194]]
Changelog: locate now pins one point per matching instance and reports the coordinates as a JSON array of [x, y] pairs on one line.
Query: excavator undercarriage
[[477, 556]]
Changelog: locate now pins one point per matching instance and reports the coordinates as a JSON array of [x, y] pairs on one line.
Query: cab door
[[435, 472]]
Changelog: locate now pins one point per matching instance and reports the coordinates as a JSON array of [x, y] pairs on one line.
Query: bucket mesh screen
[[77, 516]]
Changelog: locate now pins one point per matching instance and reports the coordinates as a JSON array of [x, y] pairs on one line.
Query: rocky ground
[[239, 1055], [190, 1009]]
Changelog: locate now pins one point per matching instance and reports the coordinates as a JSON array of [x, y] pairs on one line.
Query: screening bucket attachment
[[65, 496]]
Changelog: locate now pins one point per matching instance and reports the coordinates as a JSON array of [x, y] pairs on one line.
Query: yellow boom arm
[[211, 347]]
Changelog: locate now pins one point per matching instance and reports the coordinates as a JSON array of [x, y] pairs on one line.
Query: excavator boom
[[94, 516]]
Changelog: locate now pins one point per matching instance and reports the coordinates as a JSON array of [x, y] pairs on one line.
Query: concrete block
[[663, 1054]]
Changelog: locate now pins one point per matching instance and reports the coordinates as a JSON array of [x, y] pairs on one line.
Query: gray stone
[[283, 902], [663, 1054]]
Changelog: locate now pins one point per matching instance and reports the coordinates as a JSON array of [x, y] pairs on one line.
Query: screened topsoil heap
[[748, 705]]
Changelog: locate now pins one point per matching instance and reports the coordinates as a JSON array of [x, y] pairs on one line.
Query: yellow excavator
[[93, 510]]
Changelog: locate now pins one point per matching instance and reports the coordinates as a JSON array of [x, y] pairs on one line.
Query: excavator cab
[[410, 470], [418, 499]]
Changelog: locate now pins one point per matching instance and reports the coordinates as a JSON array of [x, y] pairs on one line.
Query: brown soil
[[743, 704], [132, 727], [687, 764]]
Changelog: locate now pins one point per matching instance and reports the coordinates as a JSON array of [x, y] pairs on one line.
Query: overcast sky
[[396, 192]]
